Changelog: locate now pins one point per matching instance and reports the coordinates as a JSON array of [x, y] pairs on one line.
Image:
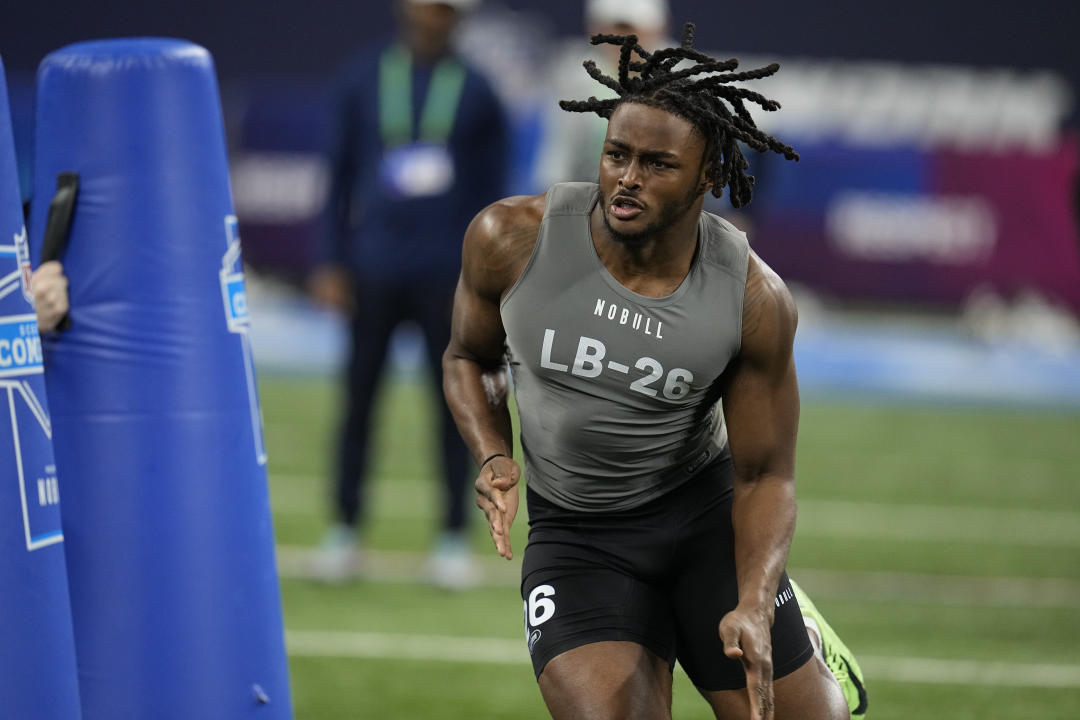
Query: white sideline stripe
[[957, 590], [395, 566], [402, 566], [937, 523], [969, 672], [448, 648]]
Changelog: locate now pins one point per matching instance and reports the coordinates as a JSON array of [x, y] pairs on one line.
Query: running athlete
[[651, 353]]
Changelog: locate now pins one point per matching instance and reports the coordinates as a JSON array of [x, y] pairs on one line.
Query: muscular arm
[[497, 246], [761, 407]]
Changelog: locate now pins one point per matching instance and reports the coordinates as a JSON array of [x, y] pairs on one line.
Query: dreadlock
[[697, 94]]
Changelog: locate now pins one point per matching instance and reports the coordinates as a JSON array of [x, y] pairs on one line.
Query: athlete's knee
[[832, 706], [838, 707], [625, 701], [600, 686], [810, 693], [826, 709], [837, 711], [835, 702], [618, 707]]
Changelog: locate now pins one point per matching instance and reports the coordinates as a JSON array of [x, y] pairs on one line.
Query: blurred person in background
[[420, 145], [659, 525], [570, 144]]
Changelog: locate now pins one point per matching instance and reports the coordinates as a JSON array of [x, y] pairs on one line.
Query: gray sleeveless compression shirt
[[612, 387]]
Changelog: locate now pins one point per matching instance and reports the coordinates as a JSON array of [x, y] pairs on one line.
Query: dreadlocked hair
[[701, 94]]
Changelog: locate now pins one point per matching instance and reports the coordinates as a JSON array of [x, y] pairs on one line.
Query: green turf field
[[943, 544]]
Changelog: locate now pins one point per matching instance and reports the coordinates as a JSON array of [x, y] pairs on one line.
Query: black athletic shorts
[[661, 575]]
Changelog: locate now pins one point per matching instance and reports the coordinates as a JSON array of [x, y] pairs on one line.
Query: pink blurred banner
[[914, 225], [1033, 197]]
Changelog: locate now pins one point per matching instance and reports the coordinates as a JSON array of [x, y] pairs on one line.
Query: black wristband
[[490, 458]]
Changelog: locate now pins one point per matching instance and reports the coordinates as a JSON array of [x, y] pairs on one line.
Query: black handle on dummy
[[58, 224]]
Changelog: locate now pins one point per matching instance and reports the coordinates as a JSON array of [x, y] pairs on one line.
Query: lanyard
[[395, 99]]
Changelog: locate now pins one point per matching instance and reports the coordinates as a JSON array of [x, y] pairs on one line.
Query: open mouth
[[625, 207]]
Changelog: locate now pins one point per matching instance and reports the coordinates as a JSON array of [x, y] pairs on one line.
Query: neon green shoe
[[837, 656]]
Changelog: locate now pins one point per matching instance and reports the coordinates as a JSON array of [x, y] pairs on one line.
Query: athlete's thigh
[[706, 589], [588, 579], [607, 680], [573, 597], [701, 601], [598, 621], [809, 693]]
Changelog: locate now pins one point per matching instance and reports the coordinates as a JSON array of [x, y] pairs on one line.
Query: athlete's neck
[[655, 265]]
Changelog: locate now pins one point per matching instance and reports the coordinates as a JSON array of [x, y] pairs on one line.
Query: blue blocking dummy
[[156, 421], [37, 648]]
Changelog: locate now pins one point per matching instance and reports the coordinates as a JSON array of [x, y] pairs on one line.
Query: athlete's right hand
[[746, 635], [497, 496]]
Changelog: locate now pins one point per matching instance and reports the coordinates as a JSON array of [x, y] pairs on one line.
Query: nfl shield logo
[[22, 256]]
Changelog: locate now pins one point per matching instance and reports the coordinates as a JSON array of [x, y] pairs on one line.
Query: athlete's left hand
[[497, 496], [746, 635]]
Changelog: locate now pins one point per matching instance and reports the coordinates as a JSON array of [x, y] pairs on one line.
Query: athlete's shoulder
[[769, 313], [500, 240], [571, 198], [503, 224], [726, 245]]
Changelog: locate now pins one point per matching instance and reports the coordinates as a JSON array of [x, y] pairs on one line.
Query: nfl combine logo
[[232, 280], [234, 297], [22, 256], [25, 419]]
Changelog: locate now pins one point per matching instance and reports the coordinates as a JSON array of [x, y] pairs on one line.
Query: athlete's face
[[651, 173]]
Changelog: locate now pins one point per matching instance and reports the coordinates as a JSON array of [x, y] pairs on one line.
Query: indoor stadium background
[[930, 236]]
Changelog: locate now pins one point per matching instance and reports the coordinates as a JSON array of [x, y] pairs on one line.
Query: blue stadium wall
[[251, 37]]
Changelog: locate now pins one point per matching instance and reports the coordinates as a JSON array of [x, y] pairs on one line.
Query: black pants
[[382, 305]]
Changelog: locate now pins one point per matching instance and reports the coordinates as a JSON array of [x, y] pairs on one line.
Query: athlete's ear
[[705, 182]]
